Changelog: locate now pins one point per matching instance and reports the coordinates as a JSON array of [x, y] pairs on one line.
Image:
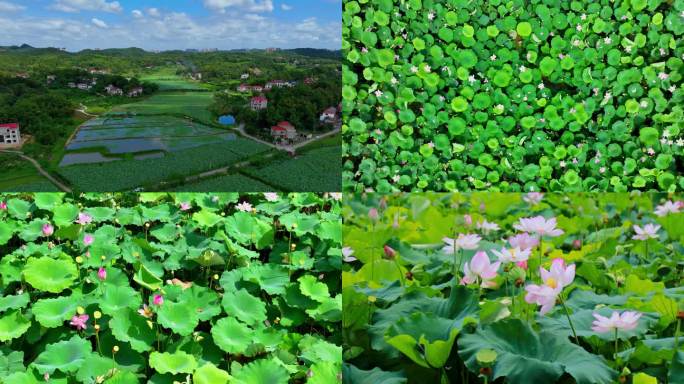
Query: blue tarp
[[226, 120]]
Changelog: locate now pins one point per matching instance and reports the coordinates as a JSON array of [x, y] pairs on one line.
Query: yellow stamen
[[551, 282]]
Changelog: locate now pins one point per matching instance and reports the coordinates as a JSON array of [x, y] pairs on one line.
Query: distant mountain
[[314, 52], [25, 48]]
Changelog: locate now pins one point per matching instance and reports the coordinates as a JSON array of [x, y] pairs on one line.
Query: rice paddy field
[[106, 138], [168, 80], [24, 177], [235, 182]]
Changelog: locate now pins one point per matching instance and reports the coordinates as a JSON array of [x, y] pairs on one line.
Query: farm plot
[[116, 136], [167, 80], [318, 170], [193, 104], [234, 183], [129, 174]]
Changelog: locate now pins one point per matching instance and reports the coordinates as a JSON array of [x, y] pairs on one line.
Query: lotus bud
[[373, 214], [79, 259], [216, 276], [97, 315], [390, 253], [115, 349], [80, 310], [577, 244]]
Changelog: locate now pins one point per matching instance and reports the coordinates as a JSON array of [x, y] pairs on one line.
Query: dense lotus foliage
[[513, 288], [550, 95], [170, 288]]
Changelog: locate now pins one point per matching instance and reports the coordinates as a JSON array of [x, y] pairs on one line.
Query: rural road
[[40, 169], [287, 148]]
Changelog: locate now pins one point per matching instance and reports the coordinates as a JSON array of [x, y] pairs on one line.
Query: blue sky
[[172, 24]]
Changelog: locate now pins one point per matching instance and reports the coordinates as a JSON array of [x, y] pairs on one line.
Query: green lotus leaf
[[117, 297], [51, 275], [649, 135], [6, 232], [93, 366], [314, 289], [206, 218], [259, 372], [353, 375], [146, 278], [524, 356], [130, 327], [13, 324], [13, 302], [123, 377], [210, 374], [547, 65], [323, 373], [247, 229], [423, 332], [65, 214], [632, 106], [52, 313], [177, 362], [18, 208], [66, 356], [459, 104], [524, 29], [47, 201], [385, 57], [232, 336], [244, 306], [177, 318]]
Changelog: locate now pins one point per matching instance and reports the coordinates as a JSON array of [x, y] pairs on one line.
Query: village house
[[113, 90], [257, 88], [275, 83], [284, 130], [310, 80], [244, 76], [96, 71], [258, 103], [23, 75], [51, 78], [135, 92], [243, 88], [196, 76], [9, 133], [83, 86], [255, 71], [71, 84], [329, 115]]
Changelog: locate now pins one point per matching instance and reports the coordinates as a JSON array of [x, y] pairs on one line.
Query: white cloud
[[286, 7], [87, 5], [99, 23], [137, 14], [6, 6], [154, 12], [247, 5]]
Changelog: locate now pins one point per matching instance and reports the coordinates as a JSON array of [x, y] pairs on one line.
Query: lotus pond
[[170, 288], [513, 288], [456, 95]]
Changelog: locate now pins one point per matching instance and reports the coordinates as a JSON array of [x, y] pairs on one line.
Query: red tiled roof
[[278, 129], [10, 126], [285, 124], [259, 99]]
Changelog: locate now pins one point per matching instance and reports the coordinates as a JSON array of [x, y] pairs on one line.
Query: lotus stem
[[616, 343], [567, 314], [401, 275], [541, 252], [676, 340]]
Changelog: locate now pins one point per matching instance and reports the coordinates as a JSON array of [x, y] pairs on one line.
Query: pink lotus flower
[[3, 205], [668, 207], [554, 280], [467, 220], [244, 207], [480, 268], [145, 311], [522, 264], [79, 321], [158, 300], [48, 229], [486, 227], [84, 218], [347, 253], [373, 214], [88, 239], [102, 274], [539, 225], [184, 206], [512, 255], [649, 231], [624, 321], [523, 241], [271, 196], [463, 241], [533, 198]]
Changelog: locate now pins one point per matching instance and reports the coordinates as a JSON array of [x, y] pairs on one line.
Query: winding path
[[287, 148], [40, 169]]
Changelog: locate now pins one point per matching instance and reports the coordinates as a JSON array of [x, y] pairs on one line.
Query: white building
[[329, 114], [114, 90], [244, 76], [9, 133], [135, 92]]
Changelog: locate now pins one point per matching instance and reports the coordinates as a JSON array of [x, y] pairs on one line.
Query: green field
[[23, 178], [168, 80], [130, 174], [233, 183], [193, 104], [317, 170]]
